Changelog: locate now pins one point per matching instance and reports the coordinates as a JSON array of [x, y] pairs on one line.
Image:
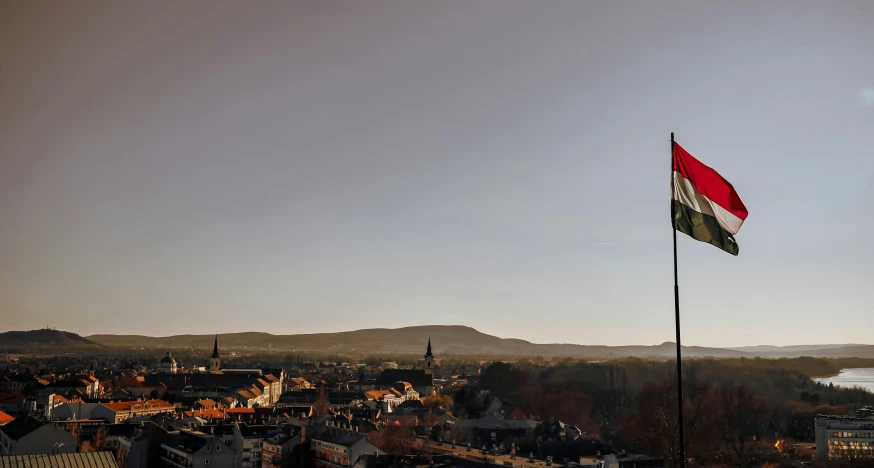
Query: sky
[[298, 167]]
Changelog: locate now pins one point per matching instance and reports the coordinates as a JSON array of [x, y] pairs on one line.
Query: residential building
[[844, 437], [276, 450], [247, 443], [337, 447], [43, 405], [188, 448], [27, 435], [121, 411], [142, 449]]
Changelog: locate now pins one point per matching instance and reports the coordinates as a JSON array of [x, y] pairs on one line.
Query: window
[[218, 447], [206, 462]]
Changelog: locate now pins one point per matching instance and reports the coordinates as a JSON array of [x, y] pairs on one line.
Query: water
[[862, 377]]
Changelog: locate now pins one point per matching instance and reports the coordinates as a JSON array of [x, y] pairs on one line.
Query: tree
[[654, 428], [738, 413], [322, 405], [435, 400], [394, 438]]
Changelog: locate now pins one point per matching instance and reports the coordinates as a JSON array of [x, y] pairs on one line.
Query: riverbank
[[851, 378]]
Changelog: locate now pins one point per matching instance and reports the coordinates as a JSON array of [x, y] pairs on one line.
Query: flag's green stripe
[[702, 227]]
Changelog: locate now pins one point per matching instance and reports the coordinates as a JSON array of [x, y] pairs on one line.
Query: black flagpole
[[677, 319]]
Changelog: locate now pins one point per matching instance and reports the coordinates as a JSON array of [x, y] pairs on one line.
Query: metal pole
[[677, 319]]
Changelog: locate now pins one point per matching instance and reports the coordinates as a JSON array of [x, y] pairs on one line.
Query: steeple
[[215, 362], [215, 353], [429, 360]]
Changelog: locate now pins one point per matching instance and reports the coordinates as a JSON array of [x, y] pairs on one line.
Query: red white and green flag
[[703, 204]]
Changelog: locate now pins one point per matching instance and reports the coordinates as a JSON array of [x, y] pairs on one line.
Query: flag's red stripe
[[708, 182]]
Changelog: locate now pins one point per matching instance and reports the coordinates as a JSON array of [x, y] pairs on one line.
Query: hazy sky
[[292, 167]]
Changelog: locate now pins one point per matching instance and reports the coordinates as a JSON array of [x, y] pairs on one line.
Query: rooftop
[[21, 427], [63, 460]]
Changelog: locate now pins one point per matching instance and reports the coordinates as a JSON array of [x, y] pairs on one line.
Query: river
[[860, 377]]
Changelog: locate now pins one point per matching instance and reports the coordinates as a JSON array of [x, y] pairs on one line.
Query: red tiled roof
[[11, 397], [5, 418], [206, 414], [240, 411], [138, 405], [377, 394], [206, 403]]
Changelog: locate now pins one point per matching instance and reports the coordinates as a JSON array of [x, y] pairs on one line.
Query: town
[[334, 413]]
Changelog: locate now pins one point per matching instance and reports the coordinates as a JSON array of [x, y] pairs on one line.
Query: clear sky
[[200, 167]]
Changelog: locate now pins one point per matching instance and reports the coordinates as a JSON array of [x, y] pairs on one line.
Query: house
[[188, 448], [142, 449], [44, 404], [61, 460], [387, 399], [298, 383], [276, 451], [247, 443], [341, 447], [20, 383], [27, 435]]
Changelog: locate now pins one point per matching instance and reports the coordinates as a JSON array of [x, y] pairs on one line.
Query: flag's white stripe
[[685, 193]]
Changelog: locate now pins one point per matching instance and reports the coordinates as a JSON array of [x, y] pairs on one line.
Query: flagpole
[[677, 320]]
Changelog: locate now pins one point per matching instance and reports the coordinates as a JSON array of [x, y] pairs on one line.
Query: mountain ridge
[[457, 339], [45, 337]]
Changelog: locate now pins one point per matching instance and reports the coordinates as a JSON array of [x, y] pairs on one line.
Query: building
[[44, 404], [276, 451], [167, 365], [421, 380], [187, 448], [337, 447], [844, 437], [215, 362], [137, 450], [27, 435], [115, 413], [247, 443]]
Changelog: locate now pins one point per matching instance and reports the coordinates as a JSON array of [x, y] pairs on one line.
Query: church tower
[[215, 362], [429, 360]]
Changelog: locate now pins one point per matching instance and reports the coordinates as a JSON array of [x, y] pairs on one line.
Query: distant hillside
[[446, 339], [45, 338], [790, 349]]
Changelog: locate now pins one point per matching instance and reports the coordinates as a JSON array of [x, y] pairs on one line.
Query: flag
[[703, 204]]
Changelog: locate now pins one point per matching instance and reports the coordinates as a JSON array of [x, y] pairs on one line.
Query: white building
[[844, 437], [167, 365]]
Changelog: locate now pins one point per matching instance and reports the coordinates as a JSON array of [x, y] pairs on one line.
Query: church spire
[[215, 353], [428, 353]]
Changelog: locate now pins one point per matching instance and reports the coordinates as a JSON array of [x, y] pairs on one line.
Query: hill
[[45, 338], [446, 339]]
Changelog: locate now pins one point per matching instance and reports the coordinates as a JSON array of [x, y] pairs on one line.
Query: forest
[[729, 404]]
